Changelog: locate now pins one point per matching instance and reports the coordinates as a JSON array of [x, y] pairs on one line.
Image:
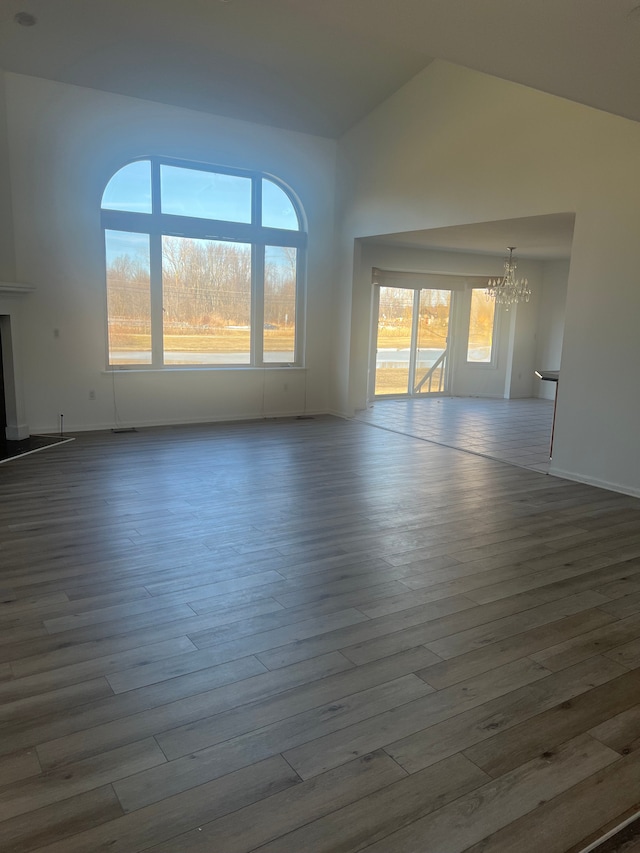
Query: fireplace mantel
[[15, 287]]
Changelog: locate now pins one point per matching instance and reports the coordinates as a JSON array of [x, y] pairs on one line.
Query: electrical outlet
[[92, 395]]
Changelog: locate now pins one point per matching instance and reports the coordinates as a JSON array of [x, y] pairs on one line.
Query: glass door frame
[[413, 348]]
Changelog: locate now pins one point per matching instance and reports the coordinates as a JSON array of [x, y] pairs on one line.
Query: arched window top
[[177, 188], [130, 188], [277, 208]]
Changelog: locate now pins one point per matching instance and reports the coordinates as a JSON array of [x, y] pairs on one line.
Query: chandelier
[[508, 290]]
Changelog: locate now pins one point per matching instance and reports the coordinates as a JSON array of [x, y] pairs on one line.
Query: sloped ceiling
[[318, 66], [321, 65]]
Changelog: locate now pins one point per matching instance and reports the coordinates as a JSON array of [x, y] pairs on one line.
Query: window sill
[[205, 368]]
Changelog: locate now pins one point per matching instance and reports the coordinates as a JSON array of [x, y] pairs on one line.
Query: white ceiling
[[535, 237], [319, 66]]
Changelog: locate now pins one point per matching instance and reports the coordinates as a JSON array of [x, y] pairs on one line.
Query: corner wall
[[551, 320]]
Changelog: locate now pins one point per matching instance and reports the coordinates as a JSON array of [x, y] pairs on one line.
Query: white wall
[[7, 256], [551, 319], [436, 154], [64, 144]]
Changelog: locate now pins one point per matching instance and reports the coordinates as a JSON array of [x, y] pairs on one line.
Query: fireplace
[[14, 419]]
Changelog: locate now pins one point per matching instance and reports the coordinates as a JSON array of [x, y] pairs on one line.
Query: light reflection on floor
[[514, 431]]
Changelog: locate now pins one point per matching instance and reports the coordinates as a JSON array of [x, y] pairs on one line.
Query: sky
[[190, 192]]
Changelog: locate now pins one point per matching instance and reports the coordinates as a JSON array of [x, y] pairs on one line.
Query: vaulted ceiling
[[318, 66], [321, 65]]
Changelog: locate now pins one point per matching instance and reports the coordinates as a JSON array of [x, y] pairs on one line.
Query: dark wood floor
[[312, 635]]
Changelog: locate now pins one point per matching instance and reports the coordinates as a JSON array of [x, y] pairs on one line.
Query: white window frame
[[157, 225]]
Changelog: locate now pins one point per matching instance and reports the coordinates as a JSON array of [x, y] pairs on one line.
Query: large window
[[482, 321], [203, 267]]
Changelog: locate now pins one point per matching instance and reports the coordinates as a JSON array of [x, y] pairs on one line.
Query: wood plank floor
[[312, 635]]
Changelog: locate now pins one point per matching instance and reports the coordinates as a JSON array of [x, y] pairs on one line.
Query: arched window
[[203, 267]]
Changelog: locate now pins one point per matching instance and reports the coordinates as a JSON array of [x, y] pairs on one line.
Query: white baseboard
[[142, 424], [17, 432], [621, 488]]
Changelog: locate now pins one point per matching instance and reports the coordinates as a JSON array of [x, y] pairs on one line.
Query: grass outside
[[222, 340], [391, 380], [400, 338], [388, 380], [394, 380], [238, 340]]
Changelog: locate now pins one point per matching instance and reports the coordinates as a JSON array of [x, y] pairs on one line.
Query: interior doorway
[[412, 346]]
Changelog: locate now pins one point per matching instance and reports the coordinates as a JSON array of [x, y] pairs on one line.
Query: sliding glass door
[[412, 351]]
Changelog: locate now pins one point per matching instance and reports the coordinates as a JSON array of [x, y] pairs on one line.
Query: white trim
[[595, 844], [124, 370], [152, 424], [36, 450], [594, 481], [17, 432]]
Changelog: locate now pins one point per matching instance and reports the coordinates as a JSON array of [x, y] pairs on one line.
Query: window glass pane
[[277, 208], [130, 188], [206, 286], [128, 298], [433, 337], [395, 318], [481, 323], [279, 339], [206, 195]]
